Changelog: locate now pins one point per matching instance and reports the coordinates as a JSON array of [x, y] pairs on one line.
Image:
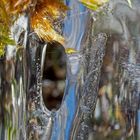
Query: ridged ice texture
[[118, 107]]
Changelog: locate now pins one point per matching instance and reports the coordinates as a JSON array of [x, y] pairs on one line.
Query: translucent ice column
[[84, 59], [13, 85]]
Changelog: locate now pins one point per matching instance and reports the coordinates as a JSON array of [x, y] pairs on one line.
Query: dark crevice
[[54, 75]]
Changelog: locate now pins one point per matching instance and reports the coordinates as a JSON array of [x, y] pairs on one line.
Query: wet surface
[[100, 98]]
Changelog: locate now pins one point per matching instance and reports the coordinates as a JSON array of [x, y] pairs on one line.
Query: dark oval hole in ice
[[54, 75]]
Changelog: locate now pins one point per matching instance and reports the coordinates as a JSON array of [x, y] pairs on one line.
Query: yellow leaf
[[70, 51], [93, 4], [130, 3]]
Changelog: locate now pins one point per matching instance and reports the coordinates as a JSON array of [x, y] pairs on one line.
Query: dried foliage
[[43, 17], [4, 27], [43, 14]]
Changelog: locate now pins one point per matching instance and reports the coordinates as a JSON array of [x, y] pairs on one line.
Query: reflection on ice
[[102, 88]]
